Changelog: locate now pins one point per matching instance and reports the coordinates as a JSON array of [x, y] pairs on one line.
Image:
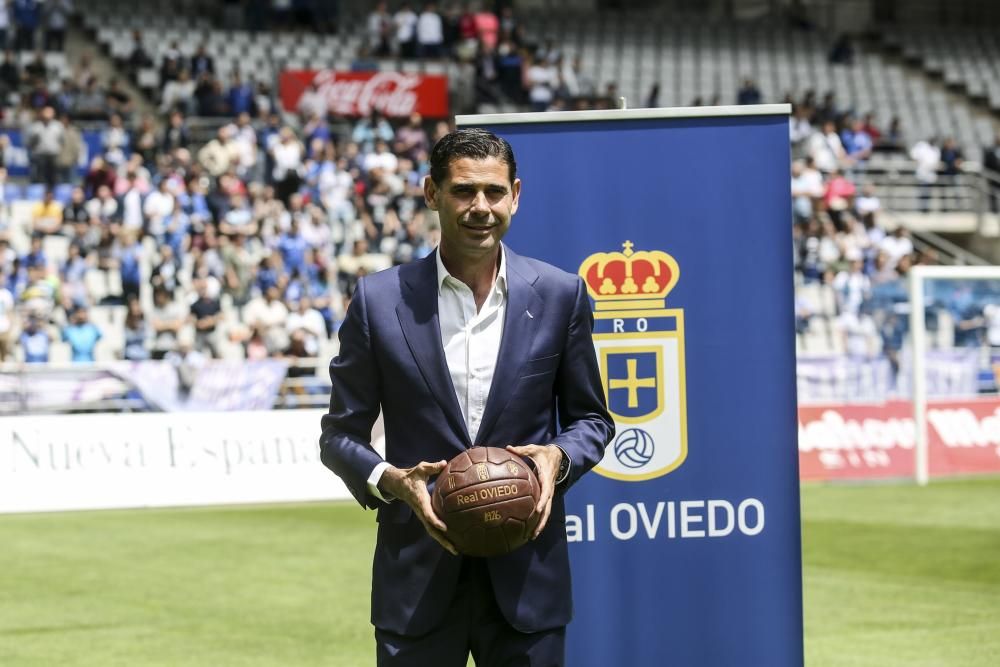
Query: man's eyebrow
[[473, 184]]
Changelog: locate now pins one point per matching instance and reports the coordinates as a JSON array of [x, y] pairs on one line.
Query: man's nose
[[479, 203]]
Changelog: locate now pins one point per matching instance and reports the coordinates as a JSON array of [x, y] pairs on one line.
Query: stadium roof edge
[[624, 114]]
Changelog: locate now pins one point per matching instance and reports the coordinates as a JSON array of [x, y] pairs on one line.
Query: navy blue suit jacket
[[546, 389]]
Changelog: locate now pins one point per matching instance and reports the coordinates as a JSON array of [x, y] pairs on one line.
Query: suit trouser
[[475, 624]]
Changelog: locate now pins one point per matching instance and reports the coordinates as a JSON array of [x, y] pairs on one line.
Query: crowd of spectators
[[251, 242], [841, 242]]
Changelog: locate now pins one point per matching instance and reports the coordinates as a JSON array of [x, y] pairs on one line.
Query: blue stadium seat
[[34, 191], [63, 193], [11, 192]]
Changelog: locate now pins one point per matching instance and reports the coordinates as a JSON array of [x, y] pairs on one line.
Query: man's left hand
[[547, 459]]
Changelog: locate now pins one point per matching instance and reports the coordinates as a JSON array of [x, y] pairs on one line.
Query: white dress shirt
[[471, 342]]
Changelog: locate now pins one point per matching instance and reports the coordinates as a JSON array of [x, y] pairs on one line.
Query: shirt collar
[[500, 284]]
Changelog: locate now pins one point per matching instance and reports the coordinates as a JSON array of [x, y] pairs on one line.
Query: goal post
[[917, 281]]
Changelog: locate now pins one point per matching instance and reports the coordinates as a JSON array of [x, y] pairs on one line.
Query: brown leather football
[[487, 496]]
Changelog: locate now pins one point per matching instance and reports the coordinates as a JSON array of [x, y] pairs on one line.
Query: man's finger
[[427, 513], [441, 539]]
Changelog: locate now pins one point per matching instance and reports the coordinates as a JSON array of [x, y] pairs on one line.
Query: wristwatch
[[563, 466]]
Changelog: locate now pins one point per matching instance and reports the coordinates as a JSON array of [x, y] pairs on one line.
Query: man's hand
[[547, 459], [410, 486]]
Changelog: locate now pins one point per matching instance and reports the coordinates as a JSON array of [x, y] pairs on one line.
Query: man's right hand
[[410, 486]]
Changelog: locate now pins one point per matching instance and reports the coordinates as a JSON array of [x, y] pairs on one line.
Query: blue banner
[[685, 541]]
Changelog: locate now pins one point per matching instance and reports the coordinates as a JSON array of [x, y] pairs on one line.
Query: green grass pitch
[[894, 575]]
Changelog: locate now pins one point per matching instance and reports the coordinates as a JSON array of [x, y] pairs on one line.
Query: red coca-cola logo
[[394, 94], [390, 93]]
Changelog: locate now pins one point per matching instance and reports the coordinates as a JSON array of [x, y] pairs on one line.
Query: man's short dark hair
[[475, 143]]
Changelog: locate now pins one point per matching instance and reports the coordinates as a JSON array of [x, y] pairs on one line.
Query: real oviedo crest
[[640, 349]]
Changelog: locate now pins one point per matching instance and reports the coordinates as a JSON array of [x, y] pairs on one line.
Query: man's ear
[[430, 193]]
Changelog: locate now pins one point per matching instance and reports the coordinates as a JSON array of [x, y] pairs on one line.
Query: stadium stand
[[196, 228]]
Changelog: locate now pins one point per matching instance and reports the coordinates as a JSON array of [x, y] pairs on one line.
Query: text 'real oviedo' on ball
[[486, 496]]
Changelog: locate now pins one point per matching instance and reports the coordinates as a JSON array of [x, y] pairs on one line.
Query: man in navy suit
[[473, 345]]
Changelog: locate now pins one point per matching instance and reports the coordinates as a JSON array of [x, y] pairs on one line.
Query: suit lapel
[[418, 317], [523, 317]]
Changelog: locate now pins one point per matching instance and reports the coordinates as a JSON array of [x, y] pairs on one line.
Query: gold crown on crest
[[629, 280]]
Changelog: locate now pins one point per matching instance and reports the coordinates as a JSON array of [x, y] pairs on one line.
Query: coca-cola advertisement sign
[[878, 440], [355, 94]]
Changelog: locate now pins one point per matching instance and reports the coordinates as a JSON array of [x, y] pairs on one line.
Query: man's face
[[475, 204]]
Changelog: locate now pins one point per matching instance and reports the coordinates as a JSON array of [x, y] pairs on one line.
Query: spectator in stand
[[411, 139], [75, 211], [867, 205], [928, 158], [57, 13], [839, 198], [370, 128], [11, 77], [175, 135], [115, 142], [166, 320], [858, 145], [137, 333], [287, 154], [381, 159], [430, 33], [306, 321], [27, 17], [268, 314], [202, 62], [91, 103], [405, 22], [540, 79], [205, 316], [868, 125], [748, 93], [45, 142], [4, 24], [68, 161], [842, 52], [991, 162], [220, 154], [46, 215], [210, 97], [379, 29], [799, 129], [129, 257], [139, 58], [82, 335], [172, 63], [103, 206], [897, 246], [951, 158], [118, 101], [99, 173], [178, 94], [8, 318], [807, 189], [852, 286], [35, 341], [893, 140], [826, 149], [240, 98]]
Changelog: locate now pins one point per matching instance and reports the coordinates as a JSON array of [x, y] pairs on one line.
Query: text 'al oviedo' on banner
[[356, 94], [667, 519]]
